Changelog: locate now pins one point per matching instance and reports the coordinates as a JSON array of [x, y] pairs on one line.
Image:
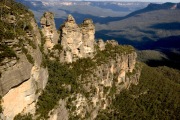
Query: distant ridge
[[154, 6]]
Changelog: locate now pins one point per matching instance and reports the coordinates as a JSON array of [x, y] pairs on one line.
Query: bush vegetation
[[112, 51], [1, 109], [155, 97], [23, 117], [32, 44], [30, 58], [6, 52], [59, 75], [21, 23], [63, 75]]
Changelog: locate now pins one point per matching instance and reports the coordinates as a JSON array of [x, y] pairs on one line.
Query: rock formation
[[49, 30], [23, 76], [77, 41], [101, 44], [105, 81]]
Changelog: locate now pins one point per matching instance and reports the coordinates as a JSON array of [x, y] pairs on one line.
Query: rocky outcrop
[[111, 68], [105, 80], [61, 113], [104, 83], [22, 76], [22, 98], [49, 30], [101, 44], [77, 40]]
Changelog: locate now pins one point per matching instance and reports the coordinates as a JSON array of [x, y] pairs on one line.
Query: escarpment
[[99, 79], [20, 61], [60, 75]]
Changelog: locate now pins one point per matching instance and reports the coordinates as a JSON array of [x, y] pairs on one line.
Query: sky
[[175, 1], [141, 0]]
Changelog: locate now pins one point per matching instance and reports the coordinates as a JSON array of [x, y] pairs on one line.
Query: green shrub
[[30, 58], [68, 74], [32, 44], [24, 50], [111, 52], [1, 109], [58, 75], [6, 52], [57, 47], [23, 117], [155, 97]]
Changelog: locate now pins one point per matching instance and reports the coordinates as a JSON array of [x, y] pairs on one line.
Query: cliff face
[[49, 30], [20, 65], [108, 78], [96, 71]]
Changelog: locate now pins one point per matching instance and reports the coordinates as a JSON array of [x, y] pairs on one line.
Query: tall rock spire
[[77, 40], [49, 30]]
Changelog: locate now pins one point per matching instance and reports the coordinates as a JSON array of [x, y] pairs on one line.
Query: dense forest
[[156, 97]]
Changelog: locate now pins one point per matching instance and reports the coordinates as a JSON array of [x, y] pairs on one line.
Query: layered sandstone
[[49, 30], [104, 81], [77, 40], [22, 76]]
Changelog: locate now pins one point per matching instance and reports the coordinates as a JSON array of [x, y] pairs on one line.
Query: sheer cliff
[[20, 60], [59, 74]]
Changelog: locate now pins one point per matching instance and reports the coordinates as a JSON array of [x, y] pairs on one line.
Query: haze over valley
[[89, 60], [145, 25]]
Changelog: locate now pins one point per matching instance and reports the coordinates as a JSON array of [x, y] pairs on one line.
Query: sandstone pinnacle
[[71, 19]]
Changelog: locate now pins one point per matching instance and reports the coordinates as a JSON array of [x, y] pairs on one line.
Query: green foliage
[[30, 58], [14, 7], [24, 50], [112, 51], [170, 73], [6, 51], [155, 97], [43, 40], [44, 62], [58, 75], [1, 109], [83, 66], [63, 75], [57, 47], [32, 44], [23, 117], [6, 31], [21, 23], [113, 90]]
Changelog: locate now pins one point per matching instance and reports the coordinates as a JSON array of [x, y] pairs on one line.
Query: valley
[[89, 60], [146, 26]]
